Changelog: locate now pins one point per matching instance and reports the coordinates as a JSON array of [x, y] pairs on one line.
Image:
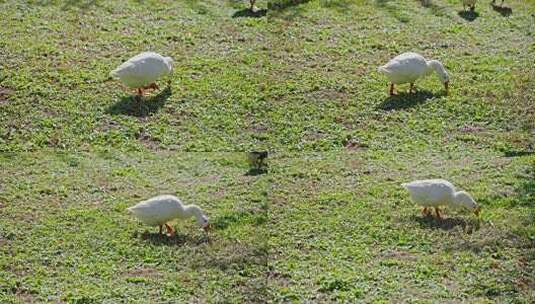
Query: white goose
[[408, 67], [159, 210], [469, 3], [141, 71], [438, 192]]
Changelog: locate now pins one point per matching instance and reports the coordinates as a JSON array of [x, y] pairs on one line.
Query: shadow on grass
[[130, 105], [405, 100], [435, 223], [518, 153], [502, 10], [255, 172], [247, 13], [468, 15], [178, 239]]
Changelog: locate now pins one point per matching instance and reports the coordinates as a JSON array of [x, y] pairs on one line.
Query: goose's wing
[[404, 68], [141, 70], [429, 190], [156, 210]]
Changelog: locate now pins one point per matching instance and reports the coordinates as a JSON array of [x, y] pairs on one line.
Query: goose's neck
[[436, 66], [169, 63], [192, 210], [458, 199]]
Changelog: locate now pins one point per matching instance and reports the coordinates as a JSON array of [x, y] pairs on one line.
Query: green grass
[[344, 230], [328, 222], [325, 91], [56, 56], [65, 235], [303, 77]]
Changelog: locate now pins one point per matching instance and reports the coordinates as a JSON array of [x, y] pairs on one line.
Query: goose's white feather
[[164, 208], [408, 67], [143, 69], [438, 192]]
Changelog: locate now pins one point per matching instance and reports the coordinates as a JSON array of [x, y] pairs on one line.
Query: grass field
[[343, 230], [65, 235], [328, 222], [57, 55]]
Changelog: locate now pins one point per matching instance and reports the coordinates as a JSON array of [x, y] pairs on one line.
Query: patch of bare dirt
[[327, 95], [355, 145], [471, 129], [25, 297], [150, 143], [4, 95], [144, 272], [401, 256], [278, 279]]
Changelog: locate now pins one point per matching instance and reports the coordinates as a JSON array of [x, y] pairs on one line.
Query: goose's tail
[[382, 69], [114, 74]]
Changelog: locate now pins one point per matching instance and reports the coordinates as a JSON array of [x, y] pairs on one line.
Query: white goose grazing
[[438, 192], [159, 210], [408, 67], [469, 3], [141, 71]]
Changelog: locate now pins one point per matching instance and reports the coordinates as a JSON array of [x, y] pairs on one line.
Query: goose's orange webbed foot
[[170, 230]]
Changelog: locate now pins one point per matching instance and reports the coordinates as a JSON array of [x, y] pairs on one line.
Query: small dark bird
[[256, 159]]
